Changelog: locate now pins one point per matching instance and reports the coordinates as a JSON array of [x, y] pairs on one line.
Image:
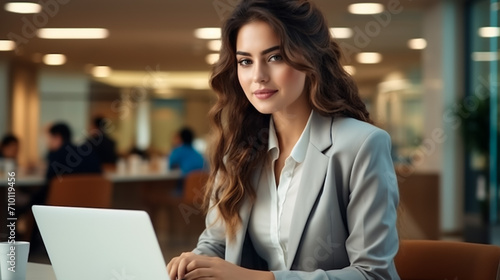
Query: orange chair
[[184, 215], [108, 167], [82, 190], [160, 195], [193, 187], [426, 260]]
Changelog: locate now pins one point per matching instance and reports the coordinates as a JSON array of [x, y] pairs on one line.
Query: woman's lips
[[264, 93]]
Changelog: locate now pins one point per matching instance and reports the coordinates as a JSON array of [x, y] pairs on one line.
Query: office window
[[479, 114]]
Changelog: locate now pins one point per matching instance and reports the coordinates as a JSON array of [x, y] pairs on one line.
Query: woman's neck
[[289, 126]]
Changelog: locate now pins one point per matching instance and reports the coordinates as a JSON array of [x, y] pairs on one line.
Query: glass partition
[[494, 112], [479, 111]]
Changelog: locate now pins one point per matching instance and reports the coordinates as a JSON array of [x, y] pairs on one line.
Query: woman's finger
[[172, 268], [199, 262], [178, 267], [181, 268], [169, 265], [200, 274]]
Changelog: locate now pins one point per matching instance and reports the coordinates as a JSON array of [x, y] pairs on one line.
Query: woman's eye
[[276, 57], [244, 62]]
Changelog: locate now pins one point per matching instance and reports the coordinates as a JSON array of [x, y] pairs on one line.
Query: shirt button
[[288, 174]]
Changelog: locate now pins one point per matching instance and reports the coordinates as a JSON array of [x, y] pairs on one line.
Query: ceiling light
[[417, 44], [212, 58], [101, 71], [214, 45], [341, 32], [369, 58], [54, 59], [366, 8], [168, 81], [23, 7], [489, 32], [350, 69], [73, 33], [485, 56], [208, 33], [7, 45]]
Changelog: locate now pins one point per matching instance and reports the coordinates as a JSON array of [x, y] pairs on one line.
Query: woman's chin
[[265, 109]]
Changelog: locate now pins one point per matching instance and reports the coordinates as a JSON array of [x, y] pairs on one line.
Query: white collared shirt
[[269, 225]]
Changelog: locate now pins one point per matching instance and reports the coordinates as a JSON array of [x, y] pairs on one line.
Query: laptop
[[100, 244]]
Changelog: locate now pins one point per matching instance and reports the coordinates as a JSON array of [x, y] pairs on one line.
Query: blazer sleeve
[[371, 216], [212, 242]]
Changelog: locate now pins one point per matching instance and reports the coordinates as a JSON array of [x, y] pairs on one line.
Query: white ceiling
[[158, 34]]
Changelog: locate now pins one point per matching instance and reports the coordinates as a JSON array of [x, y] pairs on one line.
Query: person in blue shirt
[[184, 156]]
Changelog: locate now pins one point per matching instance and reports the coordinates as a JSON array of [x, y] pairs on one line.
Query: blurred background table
[[130, 191], [39, 180]]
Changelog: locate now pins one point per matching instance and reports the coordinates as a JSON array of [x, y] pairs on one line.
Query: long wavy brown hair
[[240, 132]]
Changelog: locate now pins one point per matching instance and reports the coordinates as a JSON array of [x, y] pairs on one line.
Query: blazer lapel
[[314, 173], [233, 252]]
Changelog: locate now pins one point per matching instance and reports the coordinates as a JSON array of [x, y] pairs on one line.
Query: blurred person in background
[[66, 158], [103, 145], [9, 147], [184, 156], [141, 153]]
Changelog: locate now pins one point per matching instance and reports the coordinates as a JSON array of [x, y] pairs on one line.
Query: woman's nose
[[260, 74]]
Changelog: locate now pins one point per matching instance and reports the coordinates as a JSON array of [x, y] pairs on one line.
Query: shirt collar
[[273, 146], [299, 150]]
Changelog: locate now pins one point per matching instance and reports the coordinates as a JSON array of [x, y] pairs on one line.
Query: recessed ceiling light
[[212, 58], [369, 58], [350, 69], [101, 71], [23, 7], [485, 56], [7, 45], [54, 59], [73, 33], [489, 32], [341, 32], [366, 8], [208, 33], [417, 44], [214, 45]]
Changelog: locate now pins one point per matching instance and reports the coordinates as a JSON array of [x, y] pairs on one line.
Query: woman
[[302, 186]]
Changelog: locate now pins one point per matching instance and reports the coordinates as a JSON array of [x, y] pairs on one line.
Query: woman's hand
[[190, 266]]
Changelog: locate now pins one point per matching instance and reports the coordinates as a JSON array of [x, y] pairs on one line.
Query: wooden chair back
[[426, 260], [193, 187], [82, 190]]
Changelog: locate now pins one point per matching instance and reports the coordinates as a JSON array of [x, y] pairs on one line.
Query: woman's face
[[270, 84]]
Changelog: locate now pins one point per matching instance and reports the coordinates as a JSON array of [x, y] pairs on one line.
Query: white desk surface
[[36, 271], [39, 180]]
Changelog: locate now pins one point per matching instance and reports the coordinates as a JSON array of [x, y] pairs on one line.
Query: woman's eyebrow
[[266, 51]]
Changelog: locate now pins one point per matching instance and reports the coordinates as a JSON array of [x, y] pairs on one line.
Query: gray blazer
[[345, 215]]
